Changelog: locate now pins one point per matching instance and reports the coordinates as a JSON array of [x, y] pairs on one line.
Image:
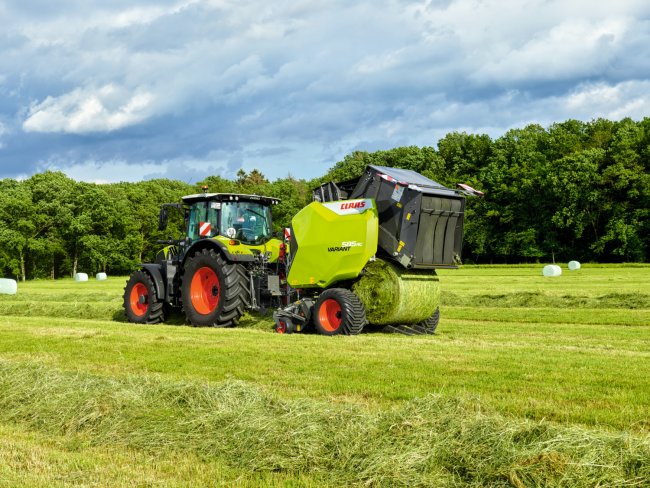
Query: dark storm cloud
[[207, 87]]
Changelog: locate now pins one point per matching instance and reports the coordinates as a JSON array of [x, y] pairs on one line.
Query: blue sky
[[131, 90]]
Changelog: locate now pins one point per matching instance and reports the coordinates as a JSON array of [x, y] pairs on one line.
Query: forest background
[[574, 190]]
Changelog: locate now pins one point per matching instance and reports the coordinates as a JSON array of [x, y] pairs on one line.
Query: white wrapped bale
[[101, 276], [81, 277], [8, 286], [573, 265], [552, 270]]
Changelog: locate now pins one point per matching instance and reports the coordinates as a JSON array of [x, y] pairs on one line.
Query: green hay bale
[[394, 295]]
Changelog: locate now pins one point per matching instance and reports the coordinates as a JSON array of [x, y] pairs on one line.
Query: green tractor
[[364, 252], [227, 262]]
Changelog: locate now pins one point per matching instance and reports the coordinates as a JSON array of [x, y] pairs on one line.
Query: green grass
[[566, 358], [34, 459], [431, 441]]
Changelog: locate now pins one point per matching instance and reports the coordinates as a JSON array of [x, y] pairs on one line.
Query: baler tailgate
[[440, 231]]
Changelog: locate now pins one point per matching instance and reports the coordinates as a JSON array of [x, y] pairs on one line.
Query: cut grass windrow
[[539, 299], [38, 460], [550, 316], [428, 441]]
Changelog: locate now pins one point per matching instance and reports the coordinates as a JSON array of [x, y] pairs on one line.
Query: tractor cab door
[[203, 220]]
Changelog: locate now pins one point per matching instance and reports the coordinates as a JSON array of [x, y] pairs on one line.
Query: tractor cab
[[244, 218], [239, 226]]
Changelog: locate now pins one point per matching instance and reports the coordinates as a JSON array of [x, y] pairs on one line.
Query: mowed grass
[[35, 459], [563, 357]]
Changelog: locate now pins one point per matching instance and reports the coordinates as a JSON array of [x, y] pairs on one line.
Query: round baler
[[378, 239]]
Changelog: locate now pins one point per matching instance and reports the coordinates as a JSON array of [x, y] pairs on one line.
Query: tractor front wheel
[[339, 311], [141, 304], [214, 292]]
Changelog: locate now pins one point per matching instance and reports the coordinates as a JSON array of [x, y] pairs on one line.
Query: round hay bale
[[101, 276], [552, 270], [394, 295], [8, 286], [573, 265], [81, 277]]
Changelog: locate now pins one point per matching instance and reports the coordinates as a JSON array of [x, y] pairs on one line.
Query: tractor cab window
[[248, 222]]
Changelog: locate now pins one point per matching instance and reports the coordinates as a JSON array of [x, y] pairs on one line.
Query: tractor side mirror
[[162, 219]]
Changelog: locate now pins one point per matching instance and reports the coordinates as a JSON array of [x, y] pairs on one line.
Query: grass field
[[530, 381]]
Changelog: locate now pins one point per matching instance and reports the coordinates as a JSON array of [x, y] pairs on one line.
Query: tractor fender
[[220, 247], [155, 271]]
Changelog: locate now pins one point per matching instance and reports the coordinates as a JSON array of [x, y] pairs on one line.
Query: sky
[[136, 89]]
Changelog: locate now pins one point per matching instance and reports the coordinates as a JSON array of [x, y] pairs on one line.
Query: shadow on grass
[[261, 321], [175, 316]]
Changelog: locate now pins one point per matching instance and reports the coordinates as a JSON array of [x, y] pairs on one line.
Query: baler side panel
[[327, 247]]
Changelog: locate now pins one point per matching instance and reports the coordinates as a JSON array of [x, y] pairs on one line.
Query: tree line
[[574, 190], [52, 226]]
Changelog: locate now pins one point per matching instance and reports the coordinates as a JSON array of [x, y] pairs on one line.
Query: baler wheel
[[213, 291], [431, 324], [141, 305], [339, 311]]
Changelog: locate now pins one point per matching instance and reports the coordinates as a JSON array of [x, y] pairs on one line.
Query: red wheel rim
[[204, 290], [281, 328], [329, 315], [139, 299]]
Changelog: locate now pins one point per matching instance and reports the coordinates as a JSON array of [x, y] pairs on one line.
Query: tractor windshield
[[248, 222]]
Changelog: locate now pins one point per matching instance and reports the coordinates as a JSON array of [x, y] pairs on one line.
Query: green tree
[[625, 188], [516, 197], [575, 185], [464, 154], [53, 195], [16, 226], [294, 195]]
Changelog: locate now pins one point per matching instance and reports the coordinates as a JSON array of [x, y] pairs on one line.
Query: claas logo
[[346, 205]]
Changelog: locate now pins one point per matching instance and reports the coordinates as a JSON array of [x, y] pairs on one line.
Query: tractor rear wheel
[[141, 304], [339, 311], [431, 324], [213, 291]]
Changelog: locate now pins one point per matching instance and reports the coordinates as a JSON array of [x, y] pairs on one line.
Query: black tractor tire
[[213, 291], [339, 311], [431, 324], [141, 305]]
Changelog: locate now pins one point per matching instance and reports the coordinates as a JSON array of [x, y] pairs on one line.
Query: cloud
[[293, 86], [101, 171], [88, 110], [572, 48], [628, 99]]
